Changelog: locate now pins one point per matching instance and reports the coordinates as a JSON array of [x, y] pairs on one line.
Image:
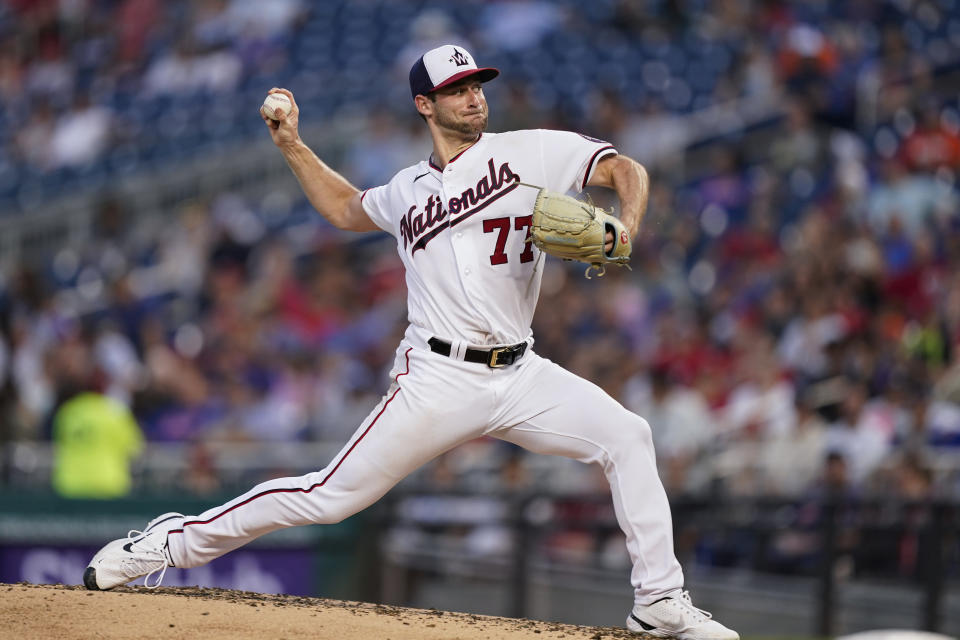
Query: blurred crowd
[[98, 88], [790, 322]]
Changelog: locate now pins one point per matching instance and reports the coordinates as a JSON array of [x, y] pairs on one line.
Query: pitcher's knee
[[335, 507], [637, 432], [336, 512], [627, 435]]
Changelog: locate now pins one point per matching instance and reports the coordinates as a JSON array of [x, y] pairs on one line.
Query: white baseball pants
[[435, 403]]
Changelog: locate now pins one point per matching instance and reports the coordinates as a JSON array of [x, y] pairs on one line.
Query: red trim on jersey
[[433, 166], [586, 175], [322, 482], [430, 159]]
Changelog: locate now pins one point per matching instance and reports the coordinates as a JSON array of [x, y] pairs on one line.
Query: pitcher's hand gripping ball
[[576, 230], [276, 101]]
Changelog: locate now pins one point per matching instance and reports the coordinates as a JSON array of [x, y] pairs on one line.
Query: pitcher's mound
[[48, 612]]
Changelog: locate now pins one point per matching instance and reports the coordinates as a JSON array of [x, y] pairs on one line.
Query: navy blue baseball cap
[[443, 66]]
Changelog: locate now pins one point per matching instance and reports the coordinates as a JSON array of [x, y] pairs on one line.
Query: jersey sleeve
[[569, 159], [376, 204]]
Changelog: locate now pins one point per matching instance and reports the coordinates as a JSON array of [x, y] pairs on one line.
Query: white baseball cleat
[[676, 617], [141, 553]]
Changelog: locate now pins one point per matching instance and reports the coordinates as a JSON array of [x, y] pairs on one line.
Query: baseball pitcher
[[472, 222]]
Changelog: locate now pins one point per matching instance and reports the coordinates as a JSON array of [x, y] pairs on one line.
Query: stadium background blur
[[789, 326]]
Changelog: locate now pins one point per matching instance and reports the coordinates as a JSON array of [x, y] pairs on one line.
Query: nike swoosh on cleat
[[646, 627], [128, 547]]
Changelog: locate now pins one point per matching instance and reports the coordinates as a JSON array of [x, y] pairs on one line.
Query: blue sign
[[255, 569]]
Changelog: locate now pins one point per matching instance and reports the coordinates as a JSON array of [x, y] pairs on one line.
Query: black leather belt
[[494, 358]]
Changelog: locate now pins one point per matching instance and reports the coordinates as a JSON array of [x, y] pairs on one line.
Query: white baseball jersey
[[462, 231]]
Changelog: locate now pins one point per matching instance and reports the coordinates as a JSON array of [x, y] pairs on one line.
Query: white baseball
[[274, 101]]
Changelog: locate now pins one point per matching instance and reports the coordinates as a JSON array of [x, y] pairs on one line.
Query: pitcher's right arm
[[330, 193]]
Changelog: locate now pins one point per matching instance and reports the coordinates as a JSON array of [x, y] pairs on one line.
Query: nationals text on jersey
[[419, 230]]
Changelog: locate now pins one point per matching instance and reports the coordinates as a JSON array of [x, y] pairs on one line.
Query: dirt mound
[[45, 612]]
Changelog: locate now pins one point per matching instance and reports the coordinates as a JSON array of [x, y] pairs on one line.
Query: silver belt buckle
[[494, 353]]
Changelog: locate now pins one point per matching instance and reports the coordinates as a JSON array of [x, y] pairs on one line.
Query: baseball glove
[[575, 230]]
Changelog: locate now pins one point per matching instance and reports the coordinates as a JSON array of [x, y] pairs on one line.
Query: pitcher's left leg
[[553, 411]]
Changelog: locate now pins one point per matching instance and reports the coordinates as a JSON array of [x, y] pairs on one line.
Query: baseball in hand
[[275, 101]]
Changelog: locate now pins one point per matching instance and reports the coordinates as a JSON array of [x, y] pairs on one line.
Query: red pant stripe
[[322, 482]]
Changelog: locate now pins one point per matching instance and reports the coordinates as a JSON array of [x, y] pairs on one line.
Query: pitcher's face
[[461, 107]]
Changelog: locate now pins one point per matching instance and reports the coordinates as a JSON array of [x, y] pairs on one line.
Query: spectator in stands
[[216, 69], [517, 25], [807, 338], [520, 110], [758, 75], [115, 355], [655, 136], [430, 28], [187, 69], [135, 20], [95, 440], [800, 146], [806, 59], [727, 185], [906, 203], [799, 548], [682, 426], [255, 19], [934, 142], [11, 76], [50, 73], [82, 134], [862, 441], [30, 340], [942, 422], [381, 145], [762, 404], [34, 139], [95, 437], [792, 460]]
